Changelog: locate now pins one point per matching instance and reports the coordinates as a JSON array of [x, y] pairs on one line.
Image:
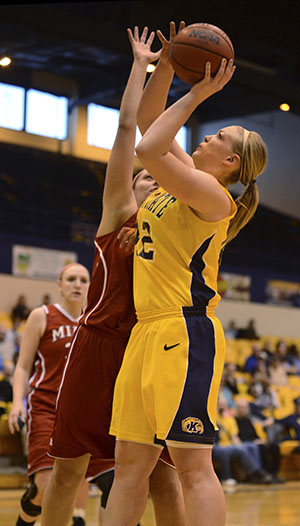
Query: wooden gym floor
[[247, 505]]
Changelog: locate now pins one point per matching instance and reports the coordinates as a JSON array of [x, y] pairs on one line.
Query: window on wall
[[46, 114], [103, 124], [12, 106]]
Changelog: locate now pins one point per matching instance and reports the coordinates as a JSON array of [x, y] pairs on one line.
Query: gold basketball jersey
[[176, 255]]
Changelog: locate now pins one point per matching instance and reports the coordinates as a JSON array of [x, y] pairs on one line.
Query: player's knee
[[165, 482], [192, 477], [31, 493], [66, 477]]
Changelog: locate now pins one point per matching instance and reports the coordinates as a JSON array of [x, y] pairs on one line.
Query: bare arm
[[33, 331], [155, 94], [198, 189], [118, 197]]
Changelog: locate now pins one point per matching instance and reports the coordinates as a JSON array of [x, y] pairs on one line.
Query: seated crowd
[[258, 410]]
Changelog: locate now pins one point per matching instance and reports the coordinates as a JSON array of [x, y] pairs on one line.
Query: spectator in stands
[[278, 373], [265, 400], [20, 310], [229, 448], [264, 396], [7, 345], [249, 434], [231, 331], [229, 378], [293, 353], [261, 372], [5, 383], [226, 394], [268, 349], [46, 299], [230, 461], [249, 332], [292, 424], [281, 350], [251, 362]]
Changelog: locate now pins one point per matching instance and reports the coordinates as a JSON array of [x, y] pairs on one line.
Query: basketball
[[195, 45]]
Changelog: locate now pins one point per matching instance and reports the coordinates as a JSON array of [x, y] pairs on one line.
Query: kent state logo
[[192, 425]]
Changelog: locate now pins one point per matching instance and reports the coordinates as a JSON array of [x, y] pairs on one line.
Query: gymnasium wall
[[11, 287], [270, 320]]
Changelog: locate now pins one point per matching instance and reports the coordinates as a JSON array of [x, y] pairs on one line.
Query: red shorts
[[40, 422], [85, 400], [85, 397]]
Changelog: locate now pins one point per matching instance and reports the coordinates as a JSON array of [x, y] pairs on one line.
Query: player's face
[[215, 149], [74, 283], [144, 186]]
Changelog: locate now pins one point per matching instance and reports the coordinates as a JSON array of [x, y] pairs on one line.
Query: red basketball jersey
[[53, 349], [110, 300]]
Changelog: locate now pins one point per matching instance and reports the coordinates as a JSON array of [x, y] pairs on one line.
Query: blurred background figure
[[20, 311]]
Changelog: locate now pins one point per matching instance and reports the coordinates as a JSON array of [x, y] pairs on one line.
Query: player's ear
[[233, 160]]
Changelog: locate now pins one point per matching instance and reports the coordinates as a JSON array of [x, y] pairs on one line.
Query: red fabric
[[85, 400], [53, 350], [110, 300], [44, 384], [40, 422]]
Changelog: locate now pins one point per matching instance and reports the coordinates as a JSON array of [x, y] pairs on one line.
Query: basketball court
[[274, 505]]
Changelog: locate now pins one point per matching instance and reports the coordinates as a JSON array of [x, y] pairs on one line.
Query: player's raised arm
[[198, 189], [118, 198], [155, 94]]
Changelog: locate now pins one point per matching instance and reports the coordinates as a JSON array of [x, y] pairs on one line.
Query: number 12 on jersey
[[144, 243]]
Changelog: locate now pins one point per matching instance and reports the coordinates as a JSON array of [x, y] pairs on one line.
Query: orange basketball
[[194, 46]]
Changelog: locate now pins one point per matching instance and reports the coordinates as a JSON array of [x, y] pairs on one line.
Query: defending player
[[85, 397], [167, 388], [44, 348]]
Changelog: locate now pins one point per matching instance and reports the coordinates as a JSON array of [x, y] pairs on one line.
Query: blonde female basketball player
[[44, 348], [167, 389], [85, 395]]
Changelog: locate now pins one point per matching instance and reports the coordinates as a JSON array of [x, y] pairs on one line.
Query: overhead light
[[150, 68], [284, 107], [5, 61]]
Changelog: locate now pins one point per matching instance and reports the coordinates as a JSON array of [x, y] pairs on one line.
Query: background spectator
[[277, 371], [20, 311], [281, 351], [251, 362], [249, 332], [248, 434], [291, 423], [7, 344], [46, 299], [5, 383], [231, 331]]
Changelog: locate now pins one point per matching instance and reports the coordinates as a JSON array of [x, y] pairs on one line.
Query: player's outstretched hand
[[166, 44], [210, 85], [127, 237], [141, 45]]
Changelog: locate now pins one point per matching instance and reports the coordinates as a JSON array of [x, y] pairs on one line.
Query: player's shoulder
[[36, 319]]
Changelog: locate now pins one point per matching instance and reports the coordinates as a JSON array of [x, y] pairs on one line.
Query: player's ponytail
[[253, 154]]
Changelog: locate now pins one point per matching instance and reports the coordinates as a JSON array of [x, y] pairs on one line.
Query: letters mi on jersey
[[64, 331], [158, 204]]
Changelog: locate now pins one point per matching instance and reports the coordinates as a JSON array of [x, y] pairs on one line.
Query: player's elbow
[[143, 150]]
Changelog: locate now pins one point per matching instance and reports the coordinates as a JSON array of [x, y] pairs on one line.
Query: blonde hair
[[253, 154]]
